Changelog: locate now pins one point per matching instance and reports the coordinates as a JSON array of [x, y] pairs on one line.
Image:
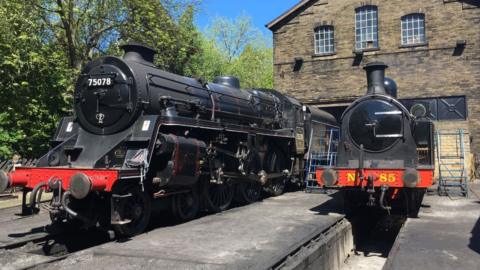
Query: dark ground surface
[[250, 237], [13, 226], [445, 236]]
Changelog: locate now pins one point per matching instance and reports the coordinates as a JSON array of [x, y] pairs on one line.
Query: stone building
[[432, 48]]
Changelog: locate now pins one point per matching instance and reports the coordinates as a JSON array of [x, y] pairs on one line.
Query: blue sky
[[261, 11]]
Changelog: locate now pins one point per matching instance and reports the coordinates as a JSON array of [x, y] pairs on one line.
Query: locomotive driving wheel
[[134, 208], [185, 206], [275, 164], [248, 192], [218, 197]]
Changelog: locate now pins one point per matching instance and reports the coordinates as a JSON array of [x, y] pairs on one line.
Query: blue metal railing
[[322, 153]]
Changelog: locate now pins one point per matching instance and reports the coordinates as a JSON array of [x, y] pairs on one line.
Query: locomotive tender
[[140, 134], [384, 152]]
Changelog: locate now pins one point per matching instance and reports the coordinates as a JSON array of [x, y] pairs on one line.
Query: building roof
[[287, 13]]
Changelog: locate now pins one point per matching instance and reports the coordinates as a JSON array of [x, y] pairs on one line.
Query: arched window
[[413, 29], [366, 27], [324, 39]]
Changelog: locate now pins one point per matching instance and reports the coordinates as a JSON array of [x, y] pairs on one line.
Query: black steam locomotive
[[140, 133], [385, 153]]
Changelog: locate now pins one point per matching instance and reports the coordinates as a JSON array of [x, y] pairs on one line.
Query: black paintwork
[[389, 134], [140, 88], [115, 122]]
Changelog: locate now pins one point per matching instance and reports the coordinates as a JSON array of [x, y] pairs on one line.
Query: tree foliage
[[86, 28], [172, 33], [254, 67], [235, 47], [233, 36], [80, 27], [33, 79], [44, 44]]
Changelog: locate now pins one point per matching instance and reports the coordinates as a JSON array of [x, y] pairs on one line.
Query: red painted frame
[[389, 177], [102, 179]]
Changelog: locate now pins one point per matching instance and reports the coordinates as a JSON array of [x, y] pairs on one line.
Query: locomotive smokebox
[[376, 78], [138, 52]]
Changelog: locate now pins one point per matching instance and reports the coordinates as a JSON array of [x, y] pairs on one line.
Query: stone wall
[[435, 69]]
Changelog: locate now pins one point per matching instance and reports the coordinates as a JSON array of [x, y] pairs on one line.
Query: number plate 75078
[[100, 82]]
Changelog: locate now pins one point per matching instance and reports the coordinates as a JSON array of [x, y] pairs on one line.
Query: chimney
[[229, 81], [138, 52], [376, 78]]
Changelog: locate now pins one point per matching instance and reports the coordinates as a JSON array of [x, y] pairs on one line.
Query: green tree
[[170, 31], [33, 79], [80, 27], [210, 62], [233, 36], [44, 43], [88, 28], [254, 67], [235, 47]]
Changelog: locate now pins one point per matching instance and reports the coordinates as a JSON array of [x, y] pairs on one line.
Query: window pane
[[413, 29], [324, 40], [366, 27]]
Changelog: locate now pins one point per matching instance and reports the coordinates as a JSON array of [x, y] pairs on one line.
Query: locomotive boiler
[[140, 134], [385, 154]]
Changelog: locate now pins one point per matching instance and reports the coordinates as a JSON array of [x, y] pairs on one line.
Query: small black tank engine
[[383, 147]]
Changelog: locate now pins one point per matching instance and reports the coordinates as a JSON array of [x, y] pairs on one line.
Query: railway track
[[28, 241], [48, 246]]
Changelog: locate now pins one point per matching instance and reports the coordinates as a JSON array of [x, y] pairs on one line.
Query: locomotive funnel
[[376, 78], [138, 52], [228, 81]]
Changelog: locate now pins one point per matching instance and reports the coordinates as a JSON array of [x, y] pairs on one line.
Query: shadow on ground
[[475, 239]]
